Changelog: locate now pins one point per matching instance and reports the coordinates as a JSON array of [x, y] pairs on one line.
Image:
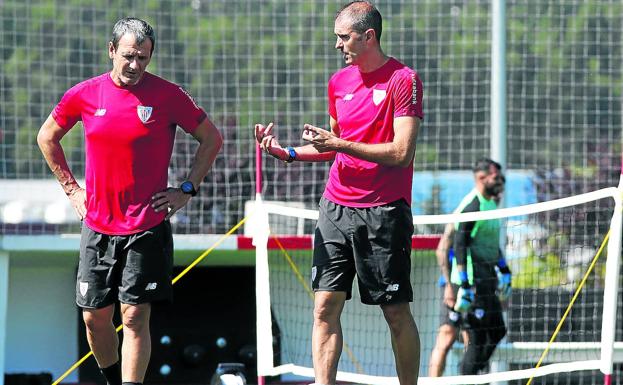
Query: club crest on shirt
[[378, 96], [144, 113]]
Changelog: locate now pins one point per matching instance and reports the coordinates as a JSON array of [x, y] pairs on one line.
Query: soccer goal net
[[561, 329]]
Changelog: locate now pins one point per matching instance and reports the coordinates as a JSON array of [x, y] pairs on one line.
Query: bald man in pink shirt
[[365, 224]]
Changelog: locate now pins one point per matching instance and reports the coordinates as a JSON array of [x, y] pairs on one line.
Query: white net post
[[260, 231], [262, 294], [613, 265], [4, 290]]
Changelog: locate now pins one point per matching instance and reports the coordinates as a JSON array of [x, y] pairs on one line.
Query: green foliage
[[539, 269]]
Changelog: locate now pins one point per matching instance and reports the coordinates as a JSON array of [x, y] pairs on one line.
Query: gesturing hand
[[322, 139], [268, 142]]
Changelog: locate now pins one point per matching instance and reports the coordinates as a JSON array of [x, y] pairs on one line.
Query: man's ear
[[370, 34], [111, 50]]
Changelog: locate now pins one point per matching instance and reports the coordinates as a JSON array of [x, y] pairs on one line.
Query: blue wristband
[[291, 154], [463, 276], [502, 263]]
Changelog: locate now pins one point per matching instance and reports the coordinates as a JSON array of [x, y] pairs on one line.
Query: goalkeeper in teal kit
[[478, 259]]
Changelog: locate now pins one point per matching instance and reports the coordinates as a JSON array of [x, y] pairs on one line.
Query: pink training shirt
[[129, 134], [364, 106]]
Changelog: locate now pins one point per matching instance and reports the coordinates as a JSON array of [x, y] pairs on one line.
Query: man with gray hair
[[129, 118], [365, 223]]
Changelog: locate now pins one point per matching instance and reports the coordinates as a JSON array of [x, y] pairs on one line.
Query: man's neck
[[483, 191], [376, 60]]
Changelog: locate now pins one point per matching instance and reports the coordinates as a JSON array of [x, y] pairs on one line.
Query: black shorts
[[134, 269], [447, 315], [372, 243], [485, 313]]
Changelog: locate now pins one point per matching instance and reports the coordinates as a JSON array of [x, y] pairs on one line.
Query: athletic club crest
[[84, 287], [378, 96], [144, 113]]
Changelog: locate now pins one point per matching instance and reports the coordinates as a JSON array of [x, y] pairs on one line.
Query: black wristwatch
[[188, 187]]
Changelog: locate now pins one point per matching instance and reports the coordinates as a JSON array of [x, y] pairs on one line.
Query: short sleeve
[[68, 111], [185, 111], [407, 95], [331, 94]]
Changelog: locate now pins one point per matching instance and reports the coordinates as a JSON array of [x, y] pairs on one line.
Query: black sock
[[112, 374]]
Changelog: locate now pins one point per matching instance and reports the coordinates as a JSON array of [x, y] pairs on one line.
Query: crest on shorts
[[84, 286], [144, 113], [378, 96], [479, 313], [454, 316], [314, 272]]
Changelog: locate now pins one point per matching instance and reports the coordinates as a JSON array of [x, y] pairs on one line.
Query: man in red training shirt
[[365, 223], [126, 250]]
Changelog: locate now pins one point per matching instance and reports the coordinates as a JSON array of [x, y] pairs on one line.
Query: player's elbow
[[404, 158], [218, 140], [44, 138]]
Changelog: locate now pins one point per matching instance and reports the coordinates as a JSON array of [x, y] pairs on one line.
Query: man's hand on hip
[[171, 199], [78, 199]]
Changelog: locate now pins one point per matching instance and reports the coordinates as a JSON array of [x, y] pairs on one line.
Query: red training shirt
[[364, 106], [129, 134]]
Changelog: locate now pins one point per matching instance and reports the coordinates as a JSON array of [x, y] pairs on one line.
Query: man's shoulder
[[343, 73], [470, 203], [166, 88], [89, 83], [401, 71], [157, 81]]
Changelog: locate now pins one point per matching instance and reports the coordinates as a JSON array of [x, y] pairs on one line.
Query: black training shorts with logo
[[133, 269], [372, 243]]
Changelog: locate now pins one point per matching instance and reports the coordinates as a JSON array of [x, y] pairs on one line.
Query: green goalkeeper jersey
[[479, 241]]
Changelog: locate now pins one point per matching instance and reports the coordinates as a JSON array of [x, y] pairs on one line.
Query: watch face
[[187, 187]]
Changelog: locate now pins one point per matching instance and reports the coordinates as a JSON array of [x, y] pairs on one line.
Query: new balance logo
[[100, 112], [151, 286], [348, 97], [392, 287]]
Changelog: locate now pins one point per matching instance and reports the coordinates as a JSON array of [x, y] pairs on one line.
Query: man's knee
[[469, 368], [497, 334], [398, 316], [95, 319], [135, 317], [328, 305], [446, 337], [474, 360]]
